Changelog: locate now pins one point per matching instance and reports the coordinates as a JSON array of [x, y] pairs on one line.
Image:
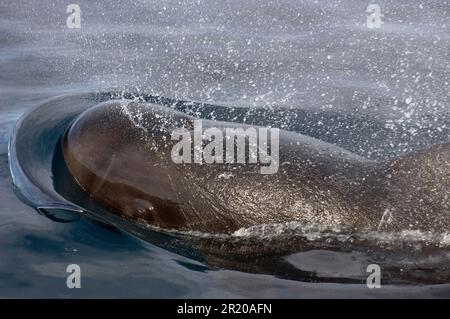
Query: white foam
[[316, 233]]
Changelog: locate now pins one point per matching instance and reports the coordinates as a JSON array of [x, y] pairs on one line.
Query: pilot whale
[[121, 154]]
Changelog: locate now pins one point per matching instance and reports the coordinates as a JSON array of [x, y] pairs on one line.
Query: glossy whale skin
[[120, 154]]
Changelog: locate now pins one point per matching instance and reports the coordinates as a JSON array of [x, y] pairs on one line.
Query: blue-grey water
[[318, 56]]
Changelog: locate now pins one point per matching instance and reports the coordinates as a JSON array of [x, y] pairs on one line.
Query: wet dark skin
[[128, 168]]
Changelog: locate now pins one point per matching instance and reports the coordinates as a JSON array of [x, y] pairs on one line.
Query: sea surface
[[317, 57]]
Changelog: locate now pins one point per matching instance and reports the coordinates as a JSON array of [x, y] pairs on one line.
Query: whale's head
[[107, 158]]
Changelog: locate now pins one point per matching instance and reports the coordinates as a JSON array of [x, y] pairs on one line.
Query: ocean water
[[314, 66]]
